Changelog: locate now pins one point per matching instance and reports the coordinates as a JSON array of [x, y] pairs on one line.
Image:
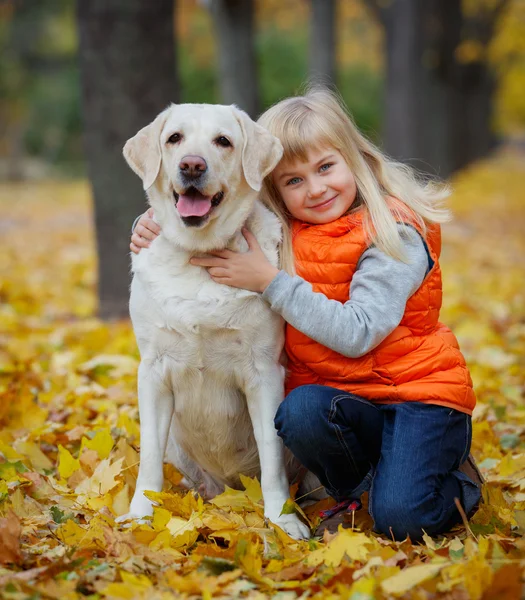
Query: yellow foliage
[[69, 438], [178, 505], [470, 51], [356, 546], [507, 56], [102, 443], [67, 465], [408, 578], [132, 587]]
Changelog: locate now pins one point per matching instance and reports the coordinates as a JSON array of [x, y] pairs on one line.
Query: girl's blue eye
[[325, 167], [293, 181]]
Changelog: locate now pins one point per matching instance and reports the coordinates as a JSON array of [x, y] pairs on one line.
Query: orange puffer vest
[[419, 361]]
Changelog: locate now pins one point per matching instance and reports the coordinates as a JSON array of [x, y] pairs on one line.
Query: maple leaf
[[408, 578], [252, 487], [347, 543], [101, 442], [236, 500], [216, 520], [102, 480], [10, 531], [177, 504], [32, 451], [67, 465], [132, 586]]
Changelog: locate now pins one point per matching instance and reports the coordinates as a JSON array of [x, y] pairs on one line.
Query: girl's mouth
[[324, 205]]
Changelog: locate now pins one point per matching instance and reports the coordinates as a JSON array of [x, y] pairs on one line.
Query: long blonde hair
[[320, 118]]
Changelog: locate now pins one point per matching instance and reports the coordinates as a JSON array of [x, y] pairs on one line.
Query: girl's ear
[[143, 153], [261, 150]]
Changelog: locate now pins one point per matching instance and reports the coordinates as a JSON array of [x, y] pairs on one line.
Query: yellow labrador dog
[[209, 381]]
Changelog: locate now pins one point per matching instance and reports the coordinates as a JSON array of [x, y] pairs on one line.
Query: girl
[[378, 396]]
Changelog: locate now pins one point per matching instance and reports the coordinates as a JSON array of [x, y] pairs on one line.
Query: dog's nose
[[193, 166]]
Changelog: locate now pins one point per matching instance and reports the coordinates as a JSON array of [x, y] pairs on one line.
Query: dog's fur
[[209, 381]]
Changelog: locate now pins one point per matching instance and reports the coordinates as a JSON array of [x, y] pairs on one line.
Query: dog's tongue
[[193, 204]]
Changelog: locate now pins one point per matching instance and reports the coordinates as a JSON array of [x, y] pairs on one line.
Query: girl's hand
[[145, 232], [247, 270]]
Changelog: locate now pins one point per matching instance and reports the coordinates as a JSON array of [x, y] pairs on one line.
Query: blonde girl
[[378, 396]]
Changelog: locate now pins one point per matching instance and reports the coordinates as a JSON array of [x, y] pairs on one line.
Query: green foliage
[[283, 71], [39, 80], [282, 64], [54, 120], [196, 62], [362, 90], [39, 77], [58, 514]]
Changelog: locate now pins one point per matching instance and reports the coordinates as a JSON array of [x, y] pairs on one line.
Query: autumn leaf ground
[[69, 433]]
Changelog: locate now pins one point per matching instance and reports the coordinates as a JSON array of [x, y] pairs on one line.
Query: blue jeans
[[406, 455]]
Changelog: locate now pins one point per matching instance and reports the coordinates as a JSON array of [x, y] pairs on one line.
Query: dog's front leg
[[155, 409], [263, 399]]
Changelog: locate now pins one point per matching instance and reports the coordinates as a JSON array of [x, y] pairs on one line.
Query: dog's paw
[[293, 526], [139, 509], [129, 517]]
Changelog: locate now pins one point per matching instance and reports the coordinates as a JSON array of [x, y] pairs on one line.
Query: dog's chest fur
[[201, 339]]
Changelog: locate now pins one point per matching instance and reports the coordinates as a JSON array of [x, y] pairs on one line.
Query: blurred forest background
[[440, 83], [40, 108], [40, 77], [437, 83], [40, 80]]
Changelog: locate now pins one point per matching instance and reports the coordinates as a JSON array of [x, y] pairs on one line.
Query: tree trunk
[[322, 45], [437, 110], [127, 59], [420, 102], [478, 84], [234, 24]]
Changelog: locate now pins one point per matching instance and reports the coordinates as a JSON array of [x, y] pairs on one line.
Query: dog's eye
[[223, 141], [173, 139]]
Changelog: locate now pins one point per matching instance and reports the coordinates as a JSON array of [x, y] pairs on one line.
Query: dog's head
[[202, 165]]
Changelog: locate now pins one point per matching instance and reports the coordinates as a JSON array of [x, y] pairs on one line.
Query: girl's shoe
[[470, 469], [340, 514]]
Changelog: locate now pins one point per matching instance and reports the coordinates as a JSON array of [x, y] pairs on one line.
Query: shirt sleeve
[[135, 224], [379, 291]]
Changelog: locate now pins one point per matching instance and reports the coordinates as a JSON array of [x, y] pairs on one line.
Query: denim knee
[[296, 417], [407, 513], [394, 517]]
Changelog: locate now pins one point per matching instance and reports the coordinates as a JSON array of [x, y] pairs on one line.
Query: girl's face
[[319, 190]]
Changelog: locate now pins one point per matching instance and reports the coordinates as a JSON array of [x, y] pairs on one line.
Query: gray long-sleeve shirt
[[379, 291]]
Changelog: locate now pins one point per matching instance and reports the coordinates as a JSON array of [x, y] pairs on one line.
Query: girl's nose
[[316, 189]]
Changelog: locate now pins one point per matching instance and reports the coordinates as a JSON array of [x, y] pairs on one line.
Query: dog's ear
[[261, 150], [142, 152]]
